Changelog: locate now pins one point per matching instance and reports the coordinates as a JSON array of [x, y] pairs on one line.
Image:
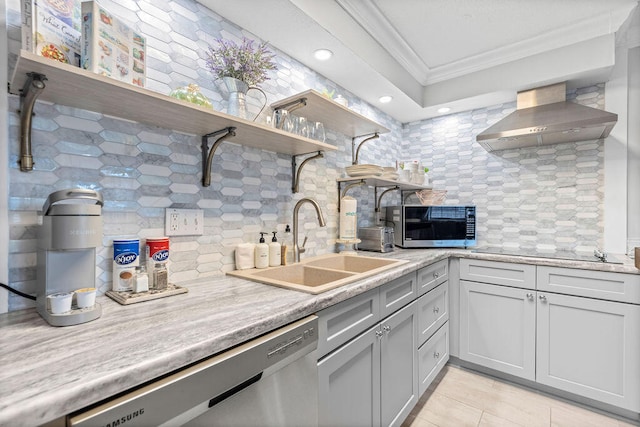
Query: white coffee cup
[[85, 297], [60, 303]]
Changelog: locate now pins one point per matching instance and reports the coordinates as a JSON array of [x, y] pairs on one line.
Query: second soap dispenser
[[262, 253], [274, 252]]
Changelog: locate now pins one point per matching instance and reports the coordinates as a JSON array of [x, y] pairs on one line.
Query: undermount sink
[[319, 274]]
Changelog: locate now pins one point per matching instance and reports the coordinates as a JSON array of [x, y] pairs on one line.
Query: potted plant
[[241, 67]]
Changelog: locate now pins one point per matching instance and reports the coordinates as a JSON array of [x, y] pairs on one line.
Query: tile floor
[[459, 397]]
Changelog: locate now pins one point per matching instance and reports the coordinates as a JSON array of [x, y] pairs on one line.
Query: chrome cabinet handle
[[436, 310], [379, 334], [436, 355], [542, 298], [530, 296], [386, 328], [436, 274]]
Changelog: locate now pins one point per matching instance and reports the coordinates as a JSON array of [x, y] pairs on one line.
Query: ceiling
[[429, 54]]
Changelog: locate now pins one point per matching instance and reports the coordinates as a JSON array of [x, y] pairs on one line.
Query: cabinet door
[[498, 328], [590, 347], [349, 383], [397, 293], [431, 276], [399, 366], [433, 311], [432, 357]]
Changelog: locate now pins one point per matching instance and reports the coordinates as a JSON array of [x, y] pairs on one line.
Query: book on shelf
[[111, 47]]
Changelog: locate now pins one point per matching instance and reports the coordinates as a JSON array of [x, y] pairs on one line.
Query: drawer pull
[[436, 274], [386, 328], [436, 310], [530, 296], [542, 298], [436, 355], [379, 334]]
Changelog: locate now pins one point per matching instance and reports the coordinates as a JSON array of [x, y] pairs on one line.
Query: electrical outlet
[[184, 222]]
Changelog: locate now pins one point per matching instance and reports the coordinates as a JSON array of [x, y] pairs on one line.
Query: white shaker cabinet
[[349, 383], [373, 379], [588, 346], [498, 327], [574, 330]]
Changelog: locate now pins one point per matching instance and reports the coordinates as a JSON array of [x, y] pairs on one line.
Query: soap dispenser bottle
[[274, 252], [286, 254], [262, 253]]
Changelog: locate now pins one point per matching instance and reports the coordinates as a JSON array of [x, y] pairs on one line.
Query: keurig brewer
[[71, 229]]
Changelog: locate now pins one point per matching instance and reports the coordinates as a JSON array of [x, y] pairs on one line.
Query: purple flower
[[243, 62]]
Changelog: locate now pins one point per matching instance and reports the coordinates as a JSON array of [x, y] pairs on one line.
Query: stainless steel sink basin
[[319, 274]]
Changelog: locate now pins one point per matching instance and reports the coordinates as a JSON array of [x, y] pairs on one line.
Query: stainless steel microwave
[[419, 226]]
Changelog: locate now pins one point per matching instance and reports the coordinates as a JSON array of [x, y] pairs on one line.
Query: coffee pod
[[60, 303], [85, 297]]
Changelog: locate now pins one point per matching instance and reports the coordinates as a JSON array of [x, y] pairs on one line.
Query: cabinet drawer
[[397, 293], [340, 323], [431, 276], [432, 357], [587, 283], [433, 311], [498, 273]]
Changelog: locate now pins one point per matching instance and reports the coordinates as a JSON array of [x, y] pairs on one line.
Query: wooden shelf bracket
[[207, 153]]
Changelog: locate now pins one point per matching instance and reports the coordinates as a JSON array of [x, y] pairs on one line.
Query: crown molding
[[584, 30], [374, 22]]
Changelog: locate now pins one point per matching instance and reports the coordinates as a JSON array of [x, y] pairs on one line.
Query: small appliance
[[443, 226], [67, 240], [376, 239]]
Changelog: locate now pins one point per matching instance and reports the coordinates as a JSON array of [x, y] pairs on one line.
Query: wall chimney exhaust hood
[[544, 117]]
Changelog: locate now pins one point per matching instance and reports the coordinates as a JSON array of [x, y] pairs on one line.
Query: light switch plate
[[184, 222]]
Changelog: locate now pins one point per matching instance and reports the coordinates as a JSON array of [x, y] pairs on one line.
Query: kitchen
[[141, 169]]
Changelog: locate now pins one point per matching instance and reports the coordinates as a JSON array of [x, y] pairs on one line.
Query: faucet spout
[[296, 249]]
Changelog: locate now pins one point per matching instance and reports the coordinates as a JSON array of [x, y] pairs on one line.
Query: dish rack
[[431, 197]]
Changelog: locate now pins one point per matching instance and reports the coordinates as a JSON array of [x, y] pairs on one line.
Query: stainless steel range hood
[[544, 117]]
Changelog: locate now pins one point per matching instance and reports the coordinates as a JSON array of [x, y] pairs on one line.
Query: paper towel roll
[[348, 218], [245, 256]]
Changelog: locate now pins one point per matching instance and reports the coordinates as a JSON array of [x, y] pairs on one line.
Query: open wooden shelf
[[335, 116], [79, 88]]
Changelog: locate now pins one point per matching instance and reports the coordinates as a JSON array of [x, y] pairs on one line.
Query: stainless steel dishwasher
[[269, 381]]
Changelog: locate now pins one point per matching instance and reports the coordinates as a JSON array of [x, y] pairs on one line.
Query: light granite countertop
[[48, 372]]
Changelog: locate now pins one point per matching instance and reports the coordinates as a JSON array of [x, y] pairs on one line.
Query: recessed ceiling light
[[385, 99], [443, 110], [322, 54]]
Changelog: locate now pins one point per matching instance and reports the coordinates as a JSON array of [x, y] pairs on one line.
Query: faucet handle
[[302, 249]]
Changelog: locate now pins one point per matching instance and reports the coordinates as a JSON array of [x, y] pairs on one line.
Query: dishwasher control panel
[[292, 343]]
